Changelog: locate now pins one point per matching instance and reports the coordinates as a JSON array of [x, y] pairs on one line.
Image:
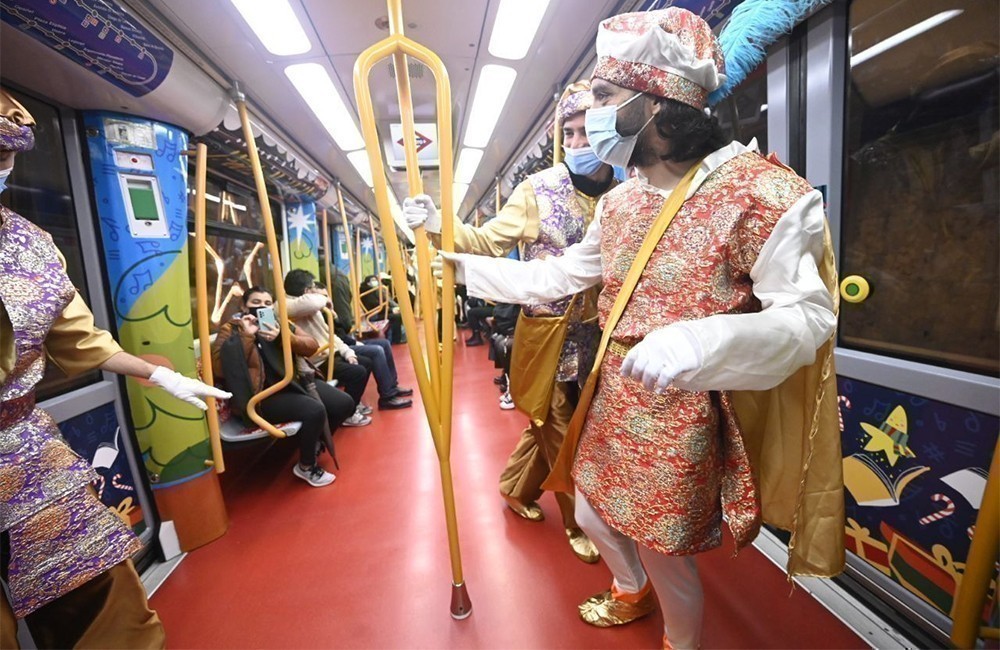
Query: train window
[[744, 113], [236, 249], [921, 182], [39, 190]]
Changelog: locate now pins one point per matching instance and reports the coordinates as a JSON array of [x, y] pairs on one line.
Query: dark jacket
[[256, 353]]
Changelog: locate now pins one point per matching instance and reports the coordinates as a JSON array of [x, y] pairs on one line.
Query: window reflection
[[921, 207], [39, 190], [744, 113]]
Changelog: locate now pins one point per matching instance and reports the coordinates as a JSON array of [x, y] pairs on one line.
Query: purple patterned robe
[[61, 536], [562, 223]]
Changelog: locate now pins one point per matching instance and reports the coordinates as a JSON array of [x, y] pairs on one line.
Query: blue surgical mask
[[602, 133], [4, 173], [620, 173], [582, 161]]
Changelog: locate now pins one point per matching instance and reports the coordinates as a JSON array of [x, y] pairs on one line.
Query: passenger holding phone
[[248, 356]]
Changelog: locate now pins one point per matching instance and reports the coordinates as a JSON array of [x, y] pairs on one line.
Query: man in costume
[[69, 572], [736, 295], [547, 212]]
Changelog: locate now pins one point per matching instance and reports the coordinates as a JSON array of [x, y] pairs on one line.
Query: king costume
[[745, 277], [69, 572]]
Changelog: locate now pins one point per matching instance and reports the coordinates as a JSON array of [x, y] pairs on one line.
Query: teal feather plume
[[753, 26]]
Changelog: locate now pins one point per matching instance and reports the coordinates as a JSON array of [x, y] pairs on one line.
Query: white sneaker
[[364, 409], [315, 476], [506, 402], [357, 420]]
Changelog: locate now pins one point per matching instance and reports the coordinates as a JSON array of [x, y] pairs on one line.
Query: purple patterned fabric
[[14, 137], [60, 534], [562, 223]]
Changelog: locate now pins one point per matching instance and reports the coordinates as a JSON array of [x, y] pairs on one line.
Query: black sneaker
[[396, 402], [403, 392]]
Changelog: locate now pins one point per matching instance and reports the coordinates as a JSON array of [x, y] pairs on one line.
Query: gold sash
[[560, 480], [538, 344]]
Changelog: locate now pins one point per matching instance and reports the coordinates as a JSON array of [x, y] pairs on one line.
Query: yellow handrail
[[352, 273], [377, 252], [980, 564], [279, 284], [557, 152], [433, 369], [201, 293], [329, 292]]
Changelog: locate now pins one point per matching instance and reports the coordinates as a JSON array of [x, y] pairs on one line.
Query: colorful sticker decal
[[99, 36], [340, 245], [303, 237], [97, 436], [914, 477], [149, 281], [712, 11], [367, 256]]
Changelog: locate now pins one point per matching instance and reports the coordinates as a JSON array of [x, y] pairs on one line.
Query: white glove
[[437, 266], [420, 211], [661, 356], [185, 388]]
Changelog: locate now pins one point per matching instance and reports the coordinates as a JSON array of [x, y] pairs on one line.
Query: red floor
[[364, 563]]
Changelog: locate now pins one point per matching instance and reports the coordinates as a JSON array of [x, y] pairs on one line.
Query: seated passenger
[[478, 311], [372, 300], [248, 356], [376, 352]]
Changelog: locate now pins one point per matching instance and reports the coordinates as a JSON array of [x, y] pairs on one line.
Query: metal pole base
[[461, 606]]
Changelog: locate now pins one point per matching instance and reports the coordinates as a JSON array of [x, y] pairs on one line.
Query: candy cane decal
[[947, 511], [841, 399], [119, 485]]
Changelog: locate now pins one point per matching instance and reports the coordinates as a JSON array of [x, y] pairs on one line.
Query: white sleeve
[[540, 280], [760, 350]]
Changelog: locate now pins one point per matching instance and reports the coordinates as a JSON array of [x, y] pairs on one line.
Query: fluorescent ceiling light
[[495, 83], [515, 27], [468, 161], [276, 26], [360, 161], [314, 84], [903, 36], [458, 191]]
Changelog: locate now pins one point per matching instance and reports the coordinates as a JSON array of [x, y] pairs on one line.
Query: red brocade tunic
[[662, 469]]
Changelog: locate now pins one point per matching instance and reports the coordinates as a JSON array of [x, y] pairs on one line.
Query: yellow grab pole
[[557, 152], [428, 296], [352, 272], [329, 291], [437, 404], [376, 251], [980, 564], [201, 293], [498, 201], [279, 284]]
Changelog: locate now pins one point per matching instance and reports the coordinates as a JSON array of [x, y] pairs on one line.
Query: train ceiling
[[339, 30]]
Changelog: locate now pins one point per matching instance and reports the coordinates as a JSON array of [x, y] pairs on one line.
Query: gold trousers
[[532, 458], [109, 611]]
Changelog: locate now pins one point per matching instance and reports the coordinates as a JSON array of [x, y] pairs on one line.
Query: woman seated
[[373, 299], [248, 356]]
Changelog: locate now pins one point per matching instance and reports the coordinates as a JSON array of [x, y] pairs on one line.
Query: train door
[[49, 187], [901, 112]]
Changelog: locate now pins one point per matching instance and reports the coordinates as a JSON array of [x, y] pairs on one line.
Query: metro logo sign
[[427, 146]]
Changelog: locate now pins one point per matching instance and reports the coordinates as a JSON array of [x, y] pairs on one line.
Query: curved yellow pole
[[377, 252], [437, 403], [329, 291], [279, 282], [201, 293], [352, 273], [980, 564]]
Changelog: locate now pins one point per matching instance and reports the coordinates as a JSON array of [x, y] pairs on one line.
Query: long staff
[[329, 291], [276, 274], [201, 293], [433, 366]]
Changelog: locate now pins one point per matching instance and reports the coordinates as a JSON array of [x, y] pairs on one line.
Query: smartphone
[[265, 315]]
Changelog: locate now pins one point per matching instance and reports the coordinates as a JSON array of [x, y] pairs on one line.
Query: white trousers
[[674, 577]]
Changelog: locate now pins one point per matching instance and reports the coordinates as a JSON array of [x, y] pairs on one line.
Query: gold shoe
[[531, 511], [604, 610], [582, 546]]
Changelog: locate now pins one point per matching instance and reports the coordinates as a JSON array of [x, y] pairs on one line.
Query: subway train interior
[[204, 167]]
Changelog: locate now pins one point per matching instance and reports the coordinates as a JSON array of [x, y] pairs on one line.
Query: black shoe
[[391, 403], [403, 392], [473, 341], [498, 380]]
